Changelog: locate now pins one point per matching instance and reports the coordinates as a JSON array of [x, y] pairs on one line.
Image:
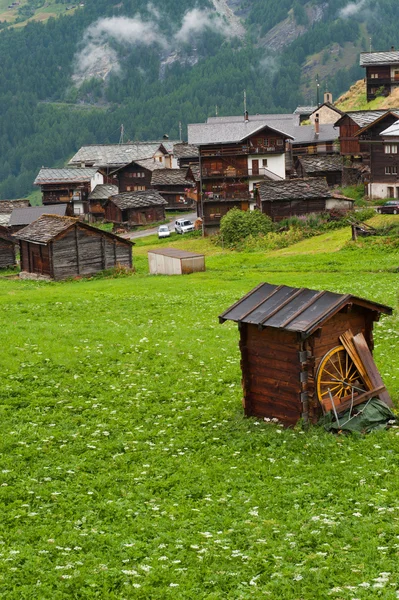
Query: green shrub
[[237, 225]]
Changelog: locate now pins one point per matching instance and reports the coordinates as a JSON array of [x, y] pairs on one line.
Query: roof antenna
[[121, 141], [245, 106], [180, 130]]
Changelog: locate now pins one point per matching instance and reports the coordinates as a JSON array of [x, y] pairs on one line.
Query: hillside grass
[[128, 469]]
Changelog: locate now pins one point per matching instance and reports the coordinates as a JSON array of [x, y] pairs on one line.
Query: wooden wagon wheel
[[337, 373]]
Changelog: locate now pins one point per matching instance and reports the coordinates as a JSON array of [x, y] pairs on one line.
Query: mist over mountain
[[75, 79]]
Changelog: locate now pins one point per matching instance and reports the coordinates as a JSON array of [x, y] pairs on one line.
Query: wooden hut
[[135, 208], [170, 261], [292, 352], [60, 247], [328, 166], [7, 249]]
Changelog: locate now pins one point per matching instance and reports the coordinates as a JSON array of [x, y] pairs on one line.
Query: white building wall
[[380, 190], [98, 179]]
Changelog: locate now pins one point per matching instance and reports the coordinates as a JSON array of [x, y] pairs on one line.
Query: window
[[280, 142], [374, 76], [391, 170], [390, 148], [264, 162], [160, 158], [139, 188]]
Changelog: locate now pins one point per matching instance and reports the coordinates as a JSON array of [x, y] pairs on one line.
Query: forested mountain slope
[[73, 80]]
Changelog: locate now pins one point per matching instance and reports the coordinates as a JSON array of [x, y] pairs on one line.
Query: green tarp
[[371, 415]]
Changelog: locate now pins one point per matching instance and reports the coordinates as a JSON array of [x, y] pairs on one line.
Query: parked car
[[183, 226], [163, 231], [391, 207]]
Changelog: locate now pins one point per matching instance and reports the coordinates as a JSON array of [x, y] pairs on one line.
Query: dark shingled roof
[[294, 189], [315, 164], [138, 199], [195, 170], [66, 175], [25, 216], [45, 228], [184, 150], [103, 191], [298, 310], [7, 206], [379, 58], [171, 177]]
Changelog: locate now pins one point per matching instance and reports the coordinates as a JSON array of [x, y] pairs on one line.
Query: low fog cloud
[[352, 9], [97, 58]]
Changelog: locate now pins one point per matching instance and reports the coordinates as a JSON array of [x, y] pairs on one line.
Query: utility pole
[[318, 89], [121, 139], [180, 130]]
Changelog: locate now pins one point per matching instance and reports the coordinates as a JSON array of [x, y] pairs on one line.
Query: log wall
[[7, 254]]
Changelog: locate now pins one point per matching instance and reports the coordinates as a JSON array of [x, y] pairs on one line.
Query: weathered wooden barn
[[328, 166], [97, 199], [351, 123], [135, 208], [176, 186], [7, 249], [68, 186], [282, 199], [292, 352], [60, 247]]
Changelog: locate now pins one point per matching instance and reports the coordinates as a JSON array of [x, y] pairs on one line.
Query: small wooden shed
[[135, 208], [170, 261], [292, 352], [7, 249], [59, 247]]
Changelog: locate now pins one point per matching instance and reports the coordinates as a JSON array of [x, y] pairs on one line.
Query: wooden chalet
[[110, 159], [21, 217], [382, 72], [7, 249], [60, 247], [234, 157], [282, 199], [177, 187], [7, 207], [349, 126], [327, 166], [137, 175], [384, 160], [68, 186], [135, 208], [97, 199], [292, 351]]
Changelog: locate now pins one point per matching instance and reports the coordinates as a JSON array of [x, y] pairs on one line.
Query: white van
[[183, 226]]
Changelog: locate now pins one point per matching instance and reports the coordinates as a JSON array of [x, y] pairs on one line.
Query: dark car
[[389, 208]]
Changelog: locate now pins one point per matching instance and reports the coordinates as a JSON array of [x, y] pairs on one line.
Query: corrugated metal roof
[[300, 310], [103, 191], [379, 58], [138, 199], [171, 177], [174, 253], [114, 155], [315, 164], [227, 132], [294, 189], [25, 216], [67, 175], [393, 130]]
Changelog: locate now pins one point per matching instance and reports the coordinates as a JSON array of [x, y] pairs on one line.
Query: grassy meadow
[[128, 470]]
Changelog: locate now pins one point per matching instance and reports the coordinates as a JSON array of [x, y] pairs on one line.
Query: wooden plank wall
[[7, 254], [282, 209], [271, 374]]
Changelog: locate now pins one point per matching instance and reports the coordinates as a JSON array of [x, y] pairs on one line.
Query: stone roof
[[66, 175], [25, 216], [150, 164], [366, 117], [103, 191], [171, 177], [184, 150], [7, 206], [115, 155], [306, 134], [379, 58], [320, 163], [227, 131], [305, 110], [294, 189], [393, 130], [195, 170], [289, 117], [45, 228], [138, 199]]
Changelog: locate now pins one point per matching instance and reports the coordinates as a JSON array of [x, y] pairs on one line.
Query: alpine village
[[200, 329]]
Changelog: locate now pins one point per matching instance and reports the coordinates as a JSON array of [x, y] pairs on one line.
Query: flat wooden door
[[255, 167]]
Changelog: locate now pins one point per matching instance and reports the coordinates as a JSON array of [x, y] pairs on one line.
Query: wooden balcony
[[245, 149]]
